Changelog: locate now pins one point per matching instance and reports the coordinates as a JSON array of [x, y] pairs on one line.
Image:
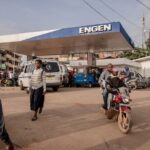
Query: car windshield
[[51, 67]]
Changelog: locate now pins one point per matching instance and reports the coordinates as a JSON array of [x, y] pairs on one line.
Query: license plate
[[50, 78]]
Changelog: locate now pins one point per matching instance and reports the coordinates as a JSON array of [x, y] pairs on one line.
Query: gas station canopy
[[91, 38]]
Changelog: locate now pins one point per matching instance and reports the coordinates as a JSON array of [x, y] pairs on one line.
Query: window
[[28, 69], [51, 67], [32, 67], [61, 68], [25, 69]]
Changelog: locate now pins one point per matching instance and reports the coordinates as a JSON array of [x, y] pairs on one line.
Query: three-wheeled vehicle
[[87, 76]]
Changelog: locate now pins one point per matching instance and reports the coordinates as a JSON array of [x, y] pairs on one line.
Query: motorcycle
[[132, 84], [8, 82], [119, 108]]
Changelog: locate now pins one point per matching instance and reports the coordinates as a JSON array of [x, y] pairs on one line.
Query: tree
[[135, 54]]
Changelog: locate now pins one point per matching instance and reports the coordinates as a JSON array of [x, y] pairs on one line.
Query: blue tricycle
[[82, 79]]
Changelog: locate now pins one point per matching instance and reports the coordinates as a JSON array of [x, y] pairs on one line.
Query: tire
[[134, 86], [77, 86], [125, 122], [21, 86], [27, 91], [55, 89], [90, 85], [3, 82]]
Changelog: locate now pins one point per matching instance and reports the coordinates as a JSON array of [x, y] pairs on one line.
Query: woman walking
[[38, 89]]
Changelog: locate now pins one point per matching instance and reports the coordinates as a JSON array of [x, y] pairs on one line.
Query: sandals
[[40, 110], [34, 118]]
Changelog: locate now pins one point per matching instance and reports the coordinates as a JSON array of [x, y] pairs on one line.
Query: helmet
[[126, 68]]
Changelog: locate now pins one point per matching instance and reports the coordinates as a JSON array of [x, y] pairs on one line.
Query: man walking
[[38, 89], [3, 133]]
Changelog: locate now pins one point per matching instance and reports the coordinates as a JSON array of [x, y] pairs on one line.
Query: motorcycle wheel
[[3, 82], [125, 122], [134, 86]]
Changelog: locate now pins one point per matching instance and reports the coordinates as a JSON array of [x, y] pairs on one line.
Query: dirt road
[[72, 120]]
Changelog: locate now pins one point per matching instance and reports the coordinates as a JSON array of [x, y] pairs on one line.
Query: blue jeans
[[105, 97], [109, 100]]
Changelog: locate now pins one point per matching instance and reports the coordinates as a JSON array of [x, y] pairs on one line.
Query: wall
[[145, 68]]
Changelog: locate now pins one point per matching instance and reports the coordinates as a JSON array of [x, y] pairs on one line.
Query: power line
[[143, 4], [112, 9], [94, 9]]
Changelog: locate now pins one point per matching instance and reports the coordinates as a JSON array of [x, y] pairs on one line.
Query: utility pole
[[143, 31], [148, 41]]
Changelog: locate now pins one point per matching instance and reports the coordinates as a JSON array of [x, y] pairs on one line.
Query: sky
[[17, 16]]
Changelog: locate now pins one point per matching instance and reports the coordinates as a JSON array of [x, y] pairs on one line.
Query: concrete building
[[9, 60], [145, 65], [119, 63]]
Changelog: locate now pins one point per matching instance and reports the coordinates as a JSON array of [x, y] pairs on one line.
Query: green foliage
[[135, 54]]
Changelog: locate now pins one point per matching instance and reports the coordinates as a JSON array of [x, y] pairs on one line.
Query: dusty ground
[[72, 121]]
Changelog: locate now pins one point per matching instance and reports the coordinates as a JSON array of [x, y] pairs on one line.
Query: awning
[[91, 38]]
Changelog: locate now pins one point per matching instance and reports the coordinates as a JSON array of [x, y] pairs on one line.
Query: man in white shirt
[[38, 89]]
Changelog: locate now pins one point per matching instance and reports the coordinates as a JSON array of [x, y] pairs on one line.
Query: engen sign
[[93, 29]]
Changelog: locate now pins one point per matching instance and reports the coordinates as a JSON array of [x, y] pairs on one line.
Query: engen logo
[[93, 29]]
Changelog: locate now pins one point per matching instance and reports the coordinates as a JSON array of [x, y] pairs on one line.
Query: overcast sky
[[34, 15]]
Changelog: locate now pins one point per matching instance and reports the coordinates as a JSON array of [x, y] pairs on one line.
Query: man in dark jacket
[[3, 133]]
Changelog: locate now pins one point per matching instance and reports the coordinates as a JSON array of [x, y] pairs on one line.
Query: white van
[[65, 74], [52, 71]]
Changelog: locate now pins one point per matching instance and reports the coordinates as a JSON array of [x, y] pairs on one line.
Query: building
[[145, 65], [9, 60], [119, 63]]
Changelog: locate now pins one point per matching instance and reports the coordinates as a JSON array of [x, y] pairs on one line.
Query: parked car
[[141, 82], [52, 71], [148, 81], [64, 74]]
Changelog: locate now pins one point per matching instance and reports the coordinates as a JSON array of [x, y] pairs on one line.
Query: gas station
[[83, 39], [72, 118]]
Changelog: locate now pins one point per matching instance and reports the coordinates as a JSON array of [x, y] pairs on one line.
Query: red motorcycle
[[120, 109]]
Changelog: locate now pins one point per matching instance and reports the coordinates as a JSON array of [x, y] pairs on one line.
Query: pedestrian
[[3, 132], [38, 89], [102, 82]]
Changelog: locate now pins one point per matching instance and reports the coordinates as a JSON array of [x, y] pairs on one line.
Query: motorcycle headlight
[[125, 100]]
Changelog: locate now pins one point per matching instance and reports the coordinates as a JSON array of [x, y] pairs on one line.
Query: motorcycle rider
[[102, 82], [127, 73], [114, 85]]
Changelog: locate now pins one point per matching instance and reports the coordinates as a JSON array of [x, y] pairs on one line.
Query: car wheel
[[21, 86], [55, 89], [90, 85]]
